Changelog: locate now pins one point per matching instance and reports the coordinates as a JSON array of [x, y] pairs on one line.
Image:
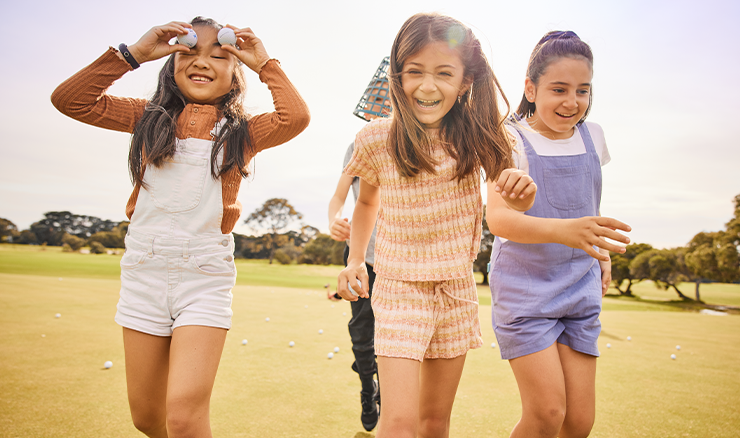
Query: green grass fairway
[[55, 385]]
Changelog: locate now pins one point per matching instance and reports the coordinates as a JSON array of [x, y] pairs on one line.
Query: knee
[[548, 418], [150, 423], [397, 426], [185, 419], [434, 426], [577, 424]]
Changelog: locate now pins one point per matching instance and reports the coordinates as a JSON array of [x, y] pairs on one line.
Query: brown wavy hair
[[472, 132], [550, 48], [153, 140]]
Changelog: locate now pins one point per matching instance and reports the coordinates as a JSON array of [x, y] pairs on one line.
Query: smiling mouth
[[427, 103], [564, 115], [200, 79]]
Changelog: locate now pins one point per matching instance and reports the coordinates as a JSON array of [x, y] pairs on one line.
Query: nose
[[201, 61], [570, 101], [427, 83]]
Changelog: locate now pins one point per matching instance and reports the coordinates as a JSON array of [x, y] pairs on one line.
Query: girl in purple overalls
[[546, 283]]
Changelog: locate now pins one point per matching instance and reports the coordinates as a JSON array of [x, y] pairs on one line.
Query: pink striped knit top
[[429, 226]]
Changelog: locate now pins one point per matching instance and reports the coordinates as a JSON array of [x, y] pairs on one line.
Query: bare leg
[[194, 357], [439, 381], [147, 363], [542, 390], [399, 380], [579, 371]]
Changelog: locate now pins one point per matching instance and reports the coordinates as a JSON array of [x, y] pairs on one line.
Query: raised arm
[[339, 228]]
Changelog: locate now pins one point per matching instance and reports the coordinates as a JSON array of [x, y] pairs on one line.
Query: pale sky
[[660, 69]]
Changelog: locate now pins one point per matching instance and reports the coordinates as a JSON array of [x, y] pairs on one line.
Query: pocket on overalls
[[132, 258], [214, 264], [568, 188], [178, 185]]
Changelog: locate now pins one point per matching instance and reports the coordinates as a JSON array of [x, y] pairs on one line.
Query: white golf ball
[[43, 336], [291, 344], [306, 306], [108, 364], [330, 355], [359, 283], [244, 342], [344, 313], [188, 40], [321, 332], [673, 356], [58, 315], [608, 345], [678, 347], [629, 338], [332, 306], [226, 36], [493, 345], [267, 319], [336, 349]]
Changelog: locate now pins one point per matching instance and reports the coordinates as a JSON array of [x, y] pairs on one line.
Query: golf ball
[[673, 356], [493, 345], [108, 364], [226, 36], [244, 342], [344, 313], [629, 338], [359, 283], [291, 344], [43, 336], [336, 349], [678, 347], [608, 345], [321, 332], [330, 355], [188, 40], [306, 306], [267, 319], [332, 306], [58, 315]]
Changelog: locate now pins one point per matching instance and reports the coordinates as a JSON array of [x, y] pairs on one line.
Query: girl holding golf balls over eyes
[[546, 283], [420, 176], [190, 148]]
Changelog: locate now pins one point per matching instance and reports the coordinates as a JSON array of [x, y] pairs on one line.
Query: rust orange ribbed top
[[83, 97]]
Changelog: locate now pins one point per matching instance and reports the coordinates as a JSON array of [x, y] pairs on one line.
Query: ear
[[530, 90], [467, 83]]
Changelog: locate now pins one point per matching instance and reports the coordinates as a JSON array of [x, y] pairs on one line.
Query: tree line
[[708, 257]]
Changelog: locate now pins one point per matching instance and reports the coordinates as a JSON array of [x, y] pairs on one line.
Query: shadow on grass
[[677, 305]]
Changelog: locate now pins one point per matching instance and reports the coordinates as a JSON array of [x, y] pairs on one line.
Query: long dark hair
[[552, 47], [153, 140], [472, 131]]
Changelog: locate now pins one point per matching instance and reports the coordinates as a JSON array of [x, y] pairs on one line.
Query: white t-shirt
[[568, 146]]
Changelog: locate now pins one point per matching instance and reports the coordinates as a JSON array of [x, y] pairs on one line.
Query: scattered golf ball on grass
[[330, 355], [678, 347], [629, 338], [673, 356], [43, 336], [321, 332], [306, 306], [58, 315], [608, 345], [332, 306], [244, 342], [108, 364], [493, 345], [267, 319], [344, 313], [291, 344], [336, 349]]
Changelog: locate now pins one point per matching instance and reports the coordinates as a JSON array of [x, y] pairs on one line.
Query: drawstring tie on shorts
[[443, 288]]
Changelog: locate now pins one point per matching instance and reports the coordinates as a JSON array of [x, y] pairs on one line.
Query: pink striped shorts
[[426, 319]]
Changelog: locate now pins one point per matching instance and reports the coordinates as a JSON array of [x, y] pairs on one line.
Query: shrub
[[97, 248]]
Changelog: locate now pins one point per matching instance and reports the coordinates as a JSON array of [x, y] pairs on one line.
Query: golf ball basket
[[375, 101]]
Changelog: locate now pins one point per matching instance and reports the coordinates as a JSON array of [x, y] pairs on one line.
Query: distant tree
[[665, 267], [486, 245], [733, 226], [318, 251], [621, 267], [713, 257], [97, 248], [114, 238], [8, 231], [28, 237], [275, 215], [74, 242], [55, 224]]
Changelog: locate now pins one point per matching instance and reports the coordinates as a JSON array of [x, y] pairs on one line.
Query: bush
[[66, 248], [282, 257], [74, 242], [97, 248]]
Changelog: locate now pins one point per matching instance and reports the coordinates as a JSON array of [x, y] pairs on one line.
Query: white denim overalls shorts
[[178, 268]]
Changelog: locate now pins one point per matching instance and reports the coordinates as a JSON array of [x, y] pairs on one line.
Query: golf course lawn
[[53, 382]]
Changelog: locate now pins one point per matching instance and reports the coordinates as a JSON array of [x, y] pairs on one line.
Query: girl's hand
[[339, 229], [349, 275], [586, 232], [155, 43], [516, 188], [606, 275], [251, 50]]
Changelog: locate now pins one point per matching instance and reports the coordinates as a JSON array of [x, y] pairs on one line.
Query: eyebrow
[[439, 66], [588, 84]]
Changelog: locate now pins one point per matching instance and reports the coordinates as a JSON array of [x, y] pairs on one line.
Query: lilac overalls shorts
[[547, 293]]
